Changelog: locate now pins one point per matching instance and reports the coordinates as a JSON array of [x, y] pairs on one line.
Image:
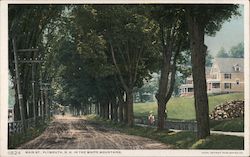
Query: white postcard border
[[98, 152]]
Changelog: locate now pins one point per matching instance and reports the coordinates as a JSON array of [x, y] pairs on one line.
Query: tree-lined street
[[91, 59]]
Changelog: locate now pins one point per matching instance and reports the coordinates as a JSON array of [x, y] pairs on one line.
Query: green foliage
[[222, 53], [235, 125], [76, 40], [220, 142], [81, 48], [150, 85], [132, 36], [237, 51], [27, 24], [209, 59], [211, 17]]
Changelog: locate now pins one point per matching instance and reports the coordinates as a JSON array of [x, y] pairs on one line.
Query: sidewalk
[[240, 134]]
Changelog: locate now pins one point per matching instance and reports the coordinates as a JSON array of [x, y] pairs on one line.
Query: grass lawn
[[180, 140], [236, 125], [183, 107]]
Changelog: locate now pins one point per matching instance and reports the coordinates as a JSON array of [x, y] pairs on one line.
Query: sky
[[231, 33]]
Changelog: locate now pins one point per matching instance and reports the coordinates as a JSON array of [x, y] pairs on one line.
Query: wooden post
[[19, 93], [33, 92], [42, 101], [46, 102], [47, 107]]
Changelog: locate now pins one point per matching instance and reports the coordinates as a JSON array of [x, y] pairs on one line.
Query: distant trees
[[222, 53], [235, 52], [150, 86], [108, 51], [209, 59]]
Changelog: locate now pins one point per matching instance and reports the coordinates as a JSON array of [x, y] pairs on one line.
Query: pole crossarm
[[27, 50], [30, 61], [17, 61]]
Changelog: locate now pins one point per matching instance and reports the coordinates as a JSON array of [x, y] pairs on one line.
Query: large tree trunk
[[106, 109], [90, 108], [97, 108], [121, 111], [161, 115], [125, 112], [31, 108], [130, 112], [17, 113], [116, 113], [101, 110], [121, 107], [196, 31], [163, 91], [112, 109]]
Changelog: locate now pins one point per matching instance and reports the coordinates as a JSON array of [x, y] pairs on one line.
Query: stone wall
[[173, 124]]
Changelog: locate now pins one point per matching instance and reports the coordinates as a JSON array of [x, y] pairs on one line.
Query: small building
[[186, 90], [225, 76]]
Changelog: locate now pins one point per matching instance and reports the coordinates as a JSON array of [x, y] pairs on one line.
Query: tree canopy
[[96, 56]]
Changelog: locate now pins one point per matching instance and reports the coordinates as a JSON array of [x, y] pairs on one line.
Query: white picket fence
[[16, 127]]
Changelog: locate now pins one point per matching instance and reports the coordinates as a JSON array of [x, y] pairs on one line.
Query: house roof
[[226, 65]]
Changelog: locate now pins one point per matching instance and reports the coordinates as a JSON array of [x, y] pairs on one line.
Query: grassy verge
[[235, 125], [16, 140], [183, 107], [180, 140]]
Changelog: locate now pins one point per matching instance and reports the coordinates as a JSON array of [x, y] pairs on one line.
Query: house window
[[216, 85], [227, 85], [190, 90], [237, 67], [227, 76], [237, 82]]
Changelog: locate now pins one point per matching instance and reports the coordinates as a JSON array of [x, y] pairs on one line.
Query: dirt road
[[77, 133]]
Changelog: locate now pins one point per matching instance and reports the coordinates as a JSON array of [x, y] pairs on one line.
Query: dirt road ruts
[[67, 132]]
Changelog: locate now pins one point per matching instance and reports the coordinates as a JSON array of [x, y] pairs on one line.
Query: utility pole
[[33, 62], [45, 88], [42, 102], [33, 92], [20, 96], [46, 102]]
